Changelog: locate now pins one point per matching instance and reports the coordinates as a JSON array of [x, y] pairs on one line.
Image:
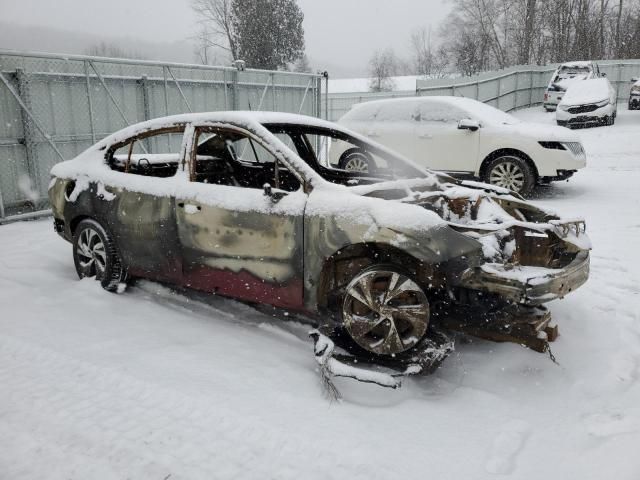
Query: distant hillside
[[45, 39]]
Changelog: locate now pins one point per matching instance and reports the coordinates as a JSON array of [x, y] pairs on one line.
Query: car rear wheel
[[512, 172], [385, 311], [95, 255]]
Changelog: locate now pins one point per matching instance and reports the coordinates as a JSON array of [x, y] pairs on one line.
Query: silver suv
[[564, 76]]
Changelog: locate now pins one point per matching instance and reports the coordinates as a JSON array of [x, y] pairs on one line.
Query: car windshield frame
[[345, 177]]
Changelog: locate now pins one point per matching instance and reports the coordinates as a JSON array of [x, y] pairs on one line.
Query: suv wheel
[[512, 172], [384, 311], [356, 160], [94, 255]]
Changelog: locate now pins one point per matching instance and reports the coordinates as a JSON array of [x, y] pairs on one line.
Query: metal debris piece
[[422, 360], [323, 348], [528, 326]]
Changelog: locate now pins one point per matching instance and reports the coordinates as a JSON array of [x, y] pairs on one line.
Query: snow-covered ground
[[152, 384]]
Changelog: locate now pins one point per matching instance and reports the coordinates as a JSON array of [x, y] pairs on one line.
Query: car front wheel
[[511, 172], [385, 311], [95, 256]]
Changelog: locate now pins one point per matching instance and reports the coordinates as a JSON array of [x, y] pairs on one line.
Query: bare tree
[[422, 53], [618, 21], [524, 56], [382, 67], [216, 19], [203, 50]]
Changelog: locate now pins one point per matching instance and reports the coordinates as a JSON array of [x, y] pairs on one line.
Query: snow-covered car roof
[[587, 91], [482, 111], [240, 118], [577, 64]]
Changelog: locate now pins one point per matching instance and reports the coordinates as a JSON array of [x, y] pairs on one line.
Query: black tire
[[355, 159], [516, 171], [95, 255]]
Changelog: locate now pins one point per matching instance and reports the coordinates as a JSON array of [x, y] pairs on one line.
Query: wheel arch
[[339, 268], [507, 151], [75, 221]]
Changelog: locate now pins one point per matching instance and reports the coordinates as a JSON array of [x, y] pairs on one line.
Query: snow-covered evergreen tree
[[268, 33]]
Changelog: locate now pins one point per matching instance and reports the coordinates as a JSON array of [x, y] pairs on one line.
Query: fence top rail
[[149, 63], [486, 77]]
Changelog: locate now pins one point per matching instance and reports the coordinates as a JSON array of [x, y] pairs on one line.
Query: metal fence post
[[146, 110], [531, 74], [618, 82], [226, 93], [499, 91], [273, 91], [166, 90], [318, 102], [326, 96], [144, 85], [29, 133], [89, 101], [515, 98], [235, 97]]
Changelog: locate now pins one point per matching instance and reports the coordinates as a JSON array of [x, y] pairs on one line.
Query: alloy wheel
[[385, 312], [91, 251], [507, 174], [357, 163]]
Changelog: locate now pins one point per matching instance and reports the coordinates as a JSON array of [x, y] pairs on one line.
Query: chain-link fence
[[509, 89], [53, 107]]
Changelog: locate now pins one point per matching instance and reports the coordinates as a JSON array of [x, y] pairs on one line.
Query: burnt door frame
[[239, 242]]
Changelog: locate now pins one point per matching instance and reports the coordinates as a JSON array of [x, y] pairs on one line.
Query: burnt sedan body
[[254, 206]]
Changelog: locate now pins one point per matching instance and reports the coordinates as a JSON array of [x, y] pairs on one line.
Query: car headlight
[[635, 89], [565, 108], [603, 103]]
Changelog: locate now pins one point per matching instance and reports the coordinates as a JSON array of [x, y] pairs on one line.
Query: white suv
[[465, 137]]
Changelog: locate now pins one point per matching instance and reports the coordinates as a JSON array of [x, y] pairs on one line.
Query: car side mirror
[[603, 75], [274, 195], [468, 124], [634, 79]]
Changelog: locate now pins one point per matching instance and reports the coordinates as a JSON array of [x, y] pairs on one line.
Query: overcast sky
[[340, 34]]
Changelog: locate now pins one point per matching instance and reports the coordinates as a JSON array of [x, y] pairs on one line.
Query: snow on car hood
[[481, 211], [588, 91], [541, 132]]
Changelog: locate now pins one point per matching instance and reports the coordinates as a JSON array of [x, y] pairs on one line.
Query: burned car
[[254, 206]]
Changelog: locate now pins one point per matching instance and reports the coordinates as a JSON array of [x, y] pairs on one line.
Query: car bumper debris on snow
[[529, 285], [339, 360]]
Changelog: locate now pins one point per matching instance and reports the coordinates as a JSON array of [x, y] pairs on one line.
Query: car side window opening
[[154, 154], [229, 157], [340, 158]]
